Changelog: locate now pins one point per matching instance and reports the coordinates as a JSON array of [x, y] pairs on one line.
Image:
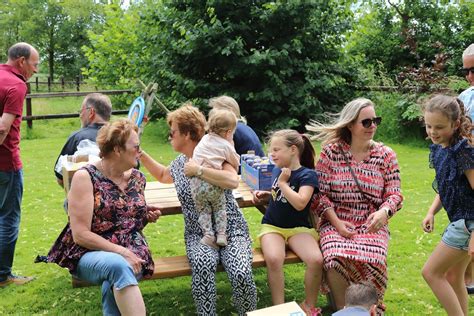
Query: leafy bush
[[401, 117], [282, 61]]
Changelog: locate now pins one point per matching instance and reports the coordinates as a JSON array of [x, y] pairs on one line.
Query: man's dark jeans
[[11, 192]]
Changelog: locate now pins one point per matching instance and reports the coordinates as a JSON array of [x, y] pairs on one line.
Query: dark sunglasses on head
[[368, 122], [466, 71]]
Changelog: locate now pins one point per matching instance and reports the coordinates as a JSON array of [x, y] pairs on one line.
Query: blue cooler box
[[257, 178]]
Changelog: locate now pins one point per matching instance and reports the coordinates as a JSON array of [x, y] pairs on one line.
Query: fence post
[[62, 83], [28, 106], [37, 84], [78, 83], [49, 84]]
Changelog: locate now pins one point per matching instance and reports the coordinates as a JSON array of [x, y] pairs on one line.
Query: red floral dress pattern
[[118, 216], [364, 256]]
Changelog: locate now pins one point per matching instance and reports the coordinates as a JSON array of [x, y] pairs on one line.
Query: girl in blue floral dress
[[452, 157]]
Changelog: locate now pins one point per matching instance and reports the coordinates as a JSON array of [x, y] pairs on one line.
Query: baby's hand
[[428, 223], [190, 168], [284, 175]]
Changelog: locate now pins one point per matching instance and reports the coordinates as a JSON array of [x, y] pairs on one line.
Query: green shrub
[[158, 130], [401, 117]]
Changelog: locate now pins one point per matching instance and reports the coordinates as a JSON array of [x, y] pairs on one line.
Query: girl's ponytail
[[301, 141], [307, 154]]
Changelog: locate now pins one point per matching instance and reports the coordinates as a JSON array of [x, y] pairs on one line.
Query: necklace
[[122, 176]]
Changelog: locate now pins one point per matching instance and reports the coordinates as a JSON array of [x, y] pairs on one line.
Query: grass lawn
[[51, 293]]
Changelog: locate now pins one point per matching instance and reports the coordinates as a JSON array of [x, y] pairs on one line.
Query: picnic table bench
[[164, 196]]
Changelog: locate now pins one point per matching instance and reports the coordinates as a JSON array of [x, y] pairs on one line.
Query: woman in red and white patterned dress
[[359, 191]]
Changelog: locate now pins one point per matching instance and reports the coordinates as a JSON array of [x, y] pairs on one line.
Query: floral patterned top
[[451, 183], [118, 216]]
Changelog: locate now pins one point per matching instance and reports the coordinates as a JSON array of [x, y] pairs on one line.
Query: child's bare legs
[[273, 248], [469, 273], [455, 277], [338, 286], [444, 259], [306, 247]]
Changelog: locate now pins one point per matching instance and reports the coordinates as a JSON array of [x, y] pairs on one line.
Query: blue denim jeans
[[11, 192], [457, 234], [110, 270]]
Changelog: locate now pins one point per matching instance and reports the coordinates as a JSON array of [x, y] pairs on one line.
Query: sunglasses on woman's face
[[466, 71], [368, 122]]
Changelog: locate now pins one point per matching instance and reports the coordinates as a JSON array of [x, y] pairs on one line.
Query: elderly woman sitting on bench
[[103, 241]]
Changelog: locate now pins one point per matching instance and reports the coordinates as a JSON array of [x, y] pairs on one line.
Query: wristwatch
[[199, 171]]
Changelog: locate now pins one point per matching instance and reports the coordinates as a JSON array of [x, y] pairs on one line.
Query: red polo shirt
[[12, 94]]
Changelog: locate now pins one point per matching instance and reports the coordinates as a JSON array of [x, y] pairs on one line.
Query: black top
[[280, 212], [89, 132]]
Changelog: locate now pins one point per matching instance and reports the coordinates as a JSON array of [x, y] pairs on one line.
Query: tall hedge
[[282, 60]]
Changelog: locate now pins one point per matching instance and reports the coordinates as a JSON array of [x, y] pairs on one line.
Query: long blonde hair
[[338, 129]]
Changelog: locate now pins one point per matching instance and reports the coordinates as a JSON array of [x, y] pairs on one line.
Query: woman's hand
[[191, 168], [376, 220], [152, 214], [259, 196], [134, 261], [345, 229], [428, 225], [284, 175]]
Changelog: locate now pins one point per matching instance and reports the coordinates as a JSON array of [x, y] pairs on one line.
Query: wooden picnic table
[[163, 196]]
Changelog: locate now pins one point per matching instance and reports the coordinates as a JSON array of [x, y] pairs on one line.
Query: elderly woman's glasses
[[368, 122], [466, 71]]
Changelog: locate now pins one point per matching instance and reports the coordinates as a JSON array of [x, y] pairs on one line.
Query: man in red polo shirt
[[22, 63]]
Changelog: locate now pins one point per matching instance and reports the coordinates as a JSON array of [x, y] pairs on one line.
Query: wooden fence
[[29, 117], [76, 83]]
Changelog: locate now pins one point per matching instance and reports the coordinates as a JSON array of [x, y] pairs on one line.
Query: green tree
[[412, 33], [58, 29], [281, 60], [115, 54]]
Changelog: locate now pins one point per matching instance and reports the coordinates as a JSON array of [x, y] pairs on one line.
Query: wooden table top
[[164, 197]]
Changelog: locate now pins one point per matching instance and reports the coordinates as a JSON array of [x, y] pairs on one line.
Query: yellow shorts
[[285, 232]]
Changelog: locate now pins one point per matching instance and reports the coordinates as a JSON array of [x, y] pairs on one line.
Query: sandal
[[311, 311]]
